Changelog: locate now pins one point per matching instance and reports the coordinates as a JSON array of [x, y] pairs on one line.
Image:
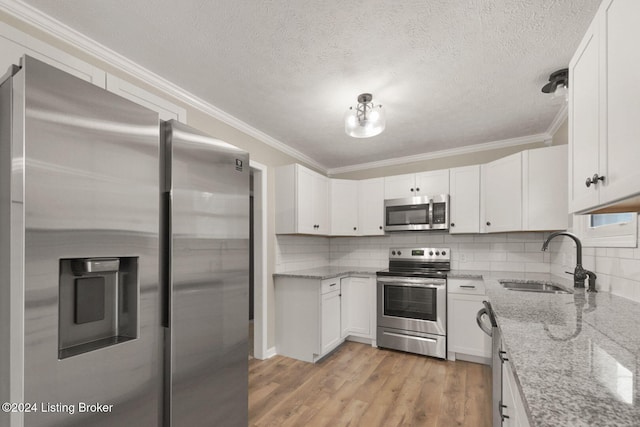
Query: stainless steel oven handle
[[412, 281], [482, 312], [413, 337]]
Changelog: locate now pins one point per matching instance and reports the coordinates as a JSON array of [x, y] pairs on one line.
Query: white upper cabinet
[[14, 44], [526, 191], [371, 207], [357, 207], [604, 106], [419, 184], [432, 183], [502, 195], [167, 110], [545, 200], [344, 207], [464, 201], [400, 186], [302, 201]]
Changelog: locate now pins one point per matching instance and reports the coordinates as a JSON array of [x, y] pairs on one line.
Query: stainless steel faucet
[[579, 274]]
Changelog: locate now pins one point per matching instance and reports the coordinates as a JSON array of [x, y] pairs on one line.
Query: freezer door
[[85, 178], [209, 224]]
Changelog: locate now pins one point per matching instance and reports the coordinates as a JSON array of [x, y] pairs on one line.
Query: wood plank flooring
[[359, 385]]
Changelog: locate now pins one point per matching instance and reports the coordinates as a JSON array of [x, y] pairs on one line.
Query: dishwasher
[[493, 331]]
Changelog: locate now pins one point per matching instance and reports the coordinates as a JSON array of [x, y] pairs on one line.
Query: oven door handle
[[482, 312], [404, 281]]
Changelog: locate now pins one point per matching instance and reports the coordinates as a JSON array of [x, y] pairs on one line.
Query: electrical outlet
[[463, 257]]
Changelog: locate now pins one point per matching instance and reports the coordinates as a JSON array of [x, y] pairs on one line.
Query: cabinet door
[[320, 202], [371, 206], [545, 189], [306, 185], [502, 194], [464, 199], [330, 321], [344, 207], [622, 86], [360, 303], [464, 335], [432, 183], [584, 119], [511, 399], [399, 186]]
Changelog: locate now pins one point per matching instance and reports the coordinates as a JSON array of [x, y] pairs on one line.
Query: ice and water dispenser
[[98, 303]]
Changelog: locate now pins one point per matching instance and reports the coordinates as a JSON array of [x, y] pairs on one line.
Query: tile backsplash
[[618, 269], [495, 252]]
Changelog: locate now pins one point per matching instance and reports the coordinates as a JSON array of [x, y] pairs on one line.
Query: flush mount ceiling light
[[366, 119], [558, 84]]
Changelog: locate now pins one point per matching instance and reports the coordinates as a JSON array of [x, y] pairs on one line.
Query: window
[[608, 230]]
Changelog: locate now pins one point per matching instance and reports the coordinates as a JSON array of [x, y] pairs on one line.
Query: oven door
[[413, 304]]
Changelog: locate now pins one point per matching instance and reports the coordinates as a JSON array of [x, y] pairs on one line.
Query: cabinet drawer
[[330, 285], [466, 286]]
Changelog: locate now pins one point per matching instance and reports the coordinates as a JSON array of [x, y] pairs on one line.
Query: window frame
[[607, 236]]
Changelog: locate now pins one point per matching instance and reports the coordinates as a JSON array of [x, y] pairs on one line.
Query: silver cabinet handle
[[468, 286]]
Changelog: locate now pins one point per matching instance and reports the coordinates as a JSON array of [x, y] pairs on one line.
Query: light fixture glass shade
[[365, 120], [561, 93]]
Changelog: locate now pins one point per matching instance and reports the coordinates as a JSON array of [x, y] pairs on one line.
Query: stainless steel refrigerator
[[98, 326], [206, 221]]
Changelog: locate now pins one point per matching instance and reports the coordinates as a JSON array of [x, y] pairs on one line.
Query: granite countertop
[[328, 272], [575, 356]]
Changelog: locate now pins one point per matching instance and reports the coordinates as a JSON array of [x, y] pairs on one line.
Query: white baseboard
[[270, 353]]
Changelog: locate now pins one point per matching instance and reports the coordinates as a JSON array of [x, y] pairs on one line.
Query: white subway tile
[[508, 247], [507, 266], [490, 238], [537, 267], [525, 257], [490, 256], [458, 238]]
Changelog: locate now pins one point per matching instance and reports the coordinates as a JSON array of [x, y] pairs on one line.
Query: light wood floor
[[359, 385]]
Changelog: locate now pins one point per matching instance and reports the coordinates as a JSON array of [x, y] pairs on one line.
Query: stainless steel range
[[412, 301]]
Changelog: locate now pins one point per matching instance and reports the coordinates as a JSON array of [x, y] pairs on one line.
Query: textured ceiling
[[449, 73]]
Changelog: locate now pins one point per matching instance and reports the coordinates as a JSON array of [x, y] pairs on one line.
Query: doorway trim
[[260, 259]]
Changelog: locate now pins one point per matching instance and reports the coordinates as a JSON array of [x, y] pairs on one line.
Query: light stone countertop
[[576, 356], [328, 272]]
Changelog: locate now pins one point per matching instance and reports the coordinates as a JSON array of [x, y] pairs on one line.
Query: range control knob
[[431, 253], [399, 253], [437, 252], [444, 252], [393, 252]]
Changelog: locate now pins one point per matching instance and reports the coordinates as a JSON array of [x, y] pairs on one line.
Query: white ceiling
[[450, 73]]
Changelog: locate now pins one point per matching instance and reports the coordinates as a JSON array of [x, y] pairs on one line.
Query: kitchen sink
[[531, 286]]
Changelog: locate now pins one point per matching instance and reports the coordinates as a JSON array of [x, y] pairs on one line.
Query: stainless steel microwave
[[417, 213]]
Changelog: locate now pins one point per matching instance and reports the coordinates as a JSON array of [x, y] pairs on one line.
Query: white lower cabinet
[[330, 321], [465, 339], [315, 316], [514, 413], [359, 302]]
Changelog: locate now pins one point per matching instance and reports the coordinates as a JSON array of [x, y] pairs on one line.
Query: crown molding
[[57, 29], [558, 120], [512, 142]]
